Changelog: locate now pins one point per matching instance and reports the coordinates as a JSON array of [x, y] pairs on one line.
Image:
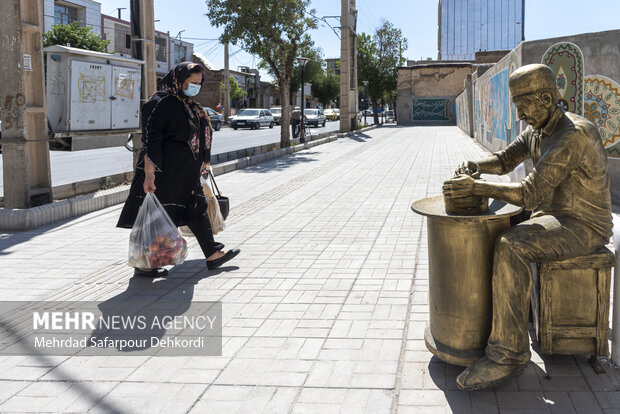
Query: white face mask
[[192, 90]]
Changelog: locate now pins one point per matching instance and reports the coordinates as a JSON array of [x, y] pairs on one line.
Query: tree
[[313, 70], [378, 59], [236, 92], [74, 35], [272, 30], [326, 88]]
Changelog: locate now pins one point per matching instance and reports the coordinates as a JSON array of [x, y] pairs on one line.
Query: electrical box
[[91, 91]]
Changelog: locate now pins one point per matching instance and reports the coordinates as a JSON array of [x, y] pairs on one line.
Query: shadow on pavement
[[9, 239], [280, 163], [160, 298]]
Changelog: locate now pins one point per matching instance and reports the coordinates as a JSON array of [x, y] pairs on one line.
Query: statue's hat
[[531, 78]]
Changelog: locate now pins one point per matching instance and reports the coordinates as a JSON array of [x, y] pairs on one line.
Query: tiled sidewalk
[[324, 310]]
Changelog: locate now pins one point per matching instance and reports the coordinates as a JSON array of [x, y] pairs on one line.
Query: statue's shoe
[[486, 373]]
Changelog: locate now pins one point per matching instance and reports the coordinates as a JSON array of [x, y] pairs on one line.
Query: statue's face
[[535, 109]]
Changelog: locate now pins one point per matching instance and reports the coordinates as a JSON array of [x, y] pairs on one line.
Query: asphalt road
[[69, 167]]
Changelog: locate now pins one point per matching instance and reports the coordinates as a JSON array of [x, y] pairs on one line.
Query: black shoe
[[214, 264], [219, 246], [157, 272]]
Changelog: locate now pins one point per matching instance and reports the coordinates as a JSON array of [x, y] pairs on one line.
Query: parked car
[[332, 114], [389, 116], [315, 117], [217, 120], [253, 118], [277, 114]]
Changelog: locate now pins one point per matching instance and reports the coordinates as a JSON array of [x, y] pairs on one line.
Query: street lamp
[[365, 98], [302, 61]]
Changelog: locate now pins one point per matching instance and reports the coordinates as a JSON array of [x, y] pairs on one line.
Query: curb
[[30, 218]]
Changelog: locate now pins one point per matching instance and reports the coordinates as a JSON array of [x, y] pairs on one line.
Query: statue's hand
[[459, 186], [470, 168]]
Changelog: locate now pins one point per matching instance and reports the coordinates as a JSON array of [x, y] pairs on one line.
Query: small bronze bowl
[[466, 206]]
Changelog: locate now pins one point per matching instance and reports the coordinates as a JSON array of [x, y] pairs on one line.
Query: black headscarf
[[172, 84]]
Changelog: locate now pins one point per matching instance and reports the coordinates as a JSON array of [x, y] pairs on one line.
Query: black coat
[[166, 141]]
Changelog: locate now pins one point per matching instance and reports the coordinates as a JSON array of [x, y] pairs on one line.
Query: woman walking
[[176, 138]]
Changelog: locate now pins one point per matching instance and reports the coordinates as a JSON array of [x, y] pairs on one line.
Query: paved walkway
[[324, 310]]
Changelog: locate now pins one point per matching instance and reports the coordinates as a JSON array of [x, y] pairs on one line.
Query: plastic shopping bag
[[154, 240], [213, 209]]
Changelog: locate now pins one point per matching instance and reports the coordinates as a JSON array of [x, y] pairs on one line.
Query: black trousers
[[200, 225]]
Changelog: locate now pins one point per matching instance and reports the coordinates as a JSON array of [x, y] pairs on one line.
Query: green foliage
[[236, 92], [74, 35], [378, 59], [274, 30], [313, 70], [326, 88]]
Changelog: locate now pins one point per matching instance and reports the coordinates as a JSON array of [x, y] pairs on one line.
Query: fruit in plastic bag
[[154, 240]]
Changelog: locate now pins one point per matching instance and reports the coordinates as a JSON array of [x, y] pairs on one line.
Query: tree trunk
[[285, 130], [375, 107]]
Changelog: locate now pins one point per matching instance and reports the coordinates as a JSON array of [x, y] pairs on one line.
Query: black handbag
[[221, 200]]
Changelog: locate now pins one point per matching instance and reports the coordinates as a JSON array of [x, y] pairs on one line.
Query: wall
[[591, 60], [90, 13], [210, 93], [428, 92]]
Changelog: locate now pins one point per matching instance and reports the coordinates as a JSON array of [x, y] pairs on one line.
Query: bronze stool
[[570, 304]]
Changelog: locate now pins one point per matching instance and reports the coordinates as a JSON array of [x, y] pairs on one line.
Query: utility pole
[[226, 85], [143, 48], [25, 147], [348, 66]]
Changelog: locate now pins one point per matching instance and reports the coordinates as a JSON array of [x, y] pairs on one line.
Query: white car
[[252, 118], [277, 114], [314, 117]]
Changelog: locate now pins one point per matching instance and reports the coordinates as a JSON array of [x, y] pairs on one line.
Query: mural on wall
[[462, 120], [513, 123], [602, 107], [485, 110], [431, 109], [566, 60], [499, 104]]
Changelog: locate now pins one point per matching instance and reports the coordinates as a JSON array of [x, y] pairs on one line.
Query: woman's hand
[[149, 176], [204, 170], [149, 183]]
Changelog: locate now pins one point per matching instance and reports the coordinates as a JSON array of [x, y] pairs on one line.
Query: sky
[[416, 18]]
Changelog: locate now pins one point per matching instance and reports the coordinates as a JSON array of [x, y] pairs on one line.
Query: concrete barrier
[[77, 203]]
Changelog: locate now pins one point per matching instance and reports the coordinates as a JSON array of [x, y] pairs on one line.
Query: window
[[179, 53], [161, 49], [121, 33], [64, 14]]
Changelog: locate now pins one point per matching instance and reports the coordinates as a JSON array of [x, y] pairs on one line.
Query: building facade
[[86, 11], [426, 92], [169, 51], [470, 26], [333, 64]]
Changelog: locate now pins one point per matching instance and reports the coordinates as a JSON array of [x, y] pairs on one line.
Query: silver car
[[277, 115], [315, 117], [252, 118]]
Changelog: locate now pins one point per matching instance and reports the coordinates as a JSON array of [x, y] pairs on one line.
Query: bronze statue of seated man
[[568, 193]]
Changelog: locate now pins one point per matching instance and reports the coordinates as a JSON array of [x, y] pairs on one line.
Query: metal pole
[[365, 99], [226, 85], [302, 139]]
